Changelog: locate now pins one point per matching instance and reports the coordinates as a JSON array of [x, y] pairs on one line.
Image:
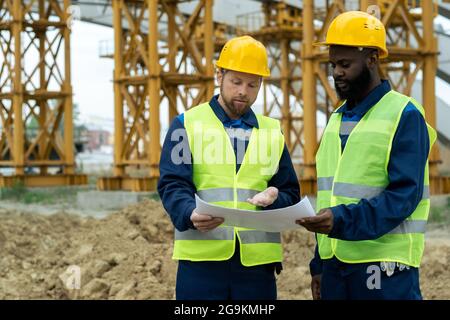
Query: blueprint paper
[[275, 220]]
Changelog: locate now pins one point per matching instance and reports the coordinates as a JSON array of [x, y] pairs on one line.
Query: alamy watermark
[[374, 280], [74, 12], [375, 11], [71, 277], [211, 146]]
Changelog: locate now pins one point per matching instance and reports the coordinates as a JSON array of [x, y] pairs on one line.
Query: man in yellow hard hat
[[372, 175], [229, 156]]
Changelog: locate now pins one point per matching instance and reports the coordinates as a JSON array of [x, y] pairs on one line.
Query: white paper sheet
[[275, 220]]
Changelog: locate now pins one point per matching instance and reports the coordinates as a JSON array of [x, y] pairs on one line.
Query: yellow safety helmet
[[357, 29], [244, 54]]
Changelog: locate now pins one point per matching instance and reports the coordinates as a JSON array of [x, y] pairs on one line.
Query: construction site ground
[[127, 255]]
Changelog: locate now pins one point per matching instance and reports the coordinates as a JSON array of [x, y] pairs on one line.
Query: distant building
[[96, 138]]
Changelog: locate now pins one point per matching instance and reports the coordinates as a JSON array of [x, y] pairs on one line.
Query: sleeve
[[372, 218], [175, 186], [315, 266], [285, 180]]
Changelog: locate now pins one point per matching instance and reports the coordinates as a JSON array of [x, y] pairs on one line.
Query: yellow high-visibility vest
[[360, 171], [216, 181]]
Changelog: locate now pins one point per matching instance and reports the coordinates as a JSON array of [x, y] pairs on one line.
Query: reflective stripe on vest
[[347, 127], [227, 233], [360, 172], [410, 226], [324, 183], [256, 236], [358, 191], [225, 194], [222, 233], [219, 183]]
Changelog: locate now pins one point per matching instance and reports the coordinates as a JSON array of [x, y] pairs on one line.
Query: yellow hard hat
[[244, 54], [357, 29]]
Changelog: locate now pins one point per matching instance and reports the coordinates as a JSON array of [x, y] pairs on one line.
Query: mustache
[[340, 80], [354, 86], [241, 99]]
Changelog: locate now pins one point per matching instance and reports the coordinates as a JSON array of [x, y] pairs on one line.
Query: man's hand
[[321, 223], [264, 198], [204, 222], [315, 286]]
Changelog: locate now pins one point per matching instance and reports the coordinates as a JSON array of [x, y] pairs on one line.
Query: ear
[[372, 60], [219, 76]]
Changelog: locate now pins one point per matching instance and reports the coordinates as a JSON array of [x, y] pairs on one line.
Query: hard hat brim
[[243, 70], [382, 54]]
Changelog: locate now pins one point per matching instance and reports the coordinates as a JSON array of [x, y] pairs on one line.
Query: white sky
[[91, 75]]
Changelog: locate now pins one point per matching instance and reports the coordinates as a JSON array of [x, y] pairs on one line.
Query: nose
[[242, 90], [338, 72]]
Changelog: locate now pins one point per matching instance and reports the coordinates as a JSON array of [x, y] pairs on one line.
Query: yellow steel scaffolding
[[36, 96], [144, 76], [164, 57]]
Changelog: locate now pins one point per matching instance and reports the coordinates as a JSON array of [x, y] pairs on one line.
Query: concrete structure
[[110, 200]]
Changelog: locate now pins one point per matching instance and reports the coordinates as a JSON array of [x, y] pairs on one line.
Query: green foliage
[[37, 197], [154, 196], [440, 214], [52, 195], [15, 192]]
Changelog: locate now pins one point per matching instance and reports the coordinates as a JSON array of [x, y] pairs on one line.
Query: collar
[[248, 118], [369, 101]]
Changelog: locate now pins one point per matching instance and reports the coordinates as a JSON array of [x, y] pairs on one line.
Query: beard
[[235, 109], [232, 105], [355, 86]]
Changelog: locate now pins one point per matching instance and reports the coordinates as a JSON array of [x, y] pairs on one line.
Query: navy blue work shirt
[[175, 185], [372, 218]]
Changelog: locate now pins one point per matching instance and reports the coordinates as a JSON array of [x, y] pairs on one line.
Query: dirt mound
[[434, 271], [125, 256], [128, 256]]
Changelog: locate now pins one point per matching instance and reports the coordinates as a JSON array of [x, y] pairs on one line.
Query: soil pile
[[128, 256]]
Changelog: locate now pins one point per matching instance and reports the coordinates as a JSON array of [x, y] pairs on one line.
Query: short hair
[[368, 51]]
